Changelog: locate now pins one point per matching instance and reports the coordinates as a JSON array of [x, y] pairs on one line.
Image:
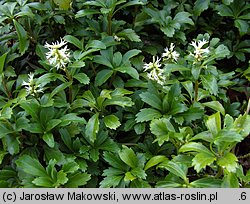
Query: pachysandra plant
[[124, 94]]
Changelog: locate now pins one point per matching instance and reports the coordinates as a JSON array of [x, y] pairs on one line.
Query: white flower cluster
[[58, 54], [170, 54], [156, 72], [32, 88], [199, 52]]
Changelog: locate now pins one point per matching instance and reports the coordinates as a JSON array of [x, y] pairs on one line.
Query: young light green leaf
[[111, 121], [213, 123], [230, 180], [201, 160], [195, 147], [229, 162]]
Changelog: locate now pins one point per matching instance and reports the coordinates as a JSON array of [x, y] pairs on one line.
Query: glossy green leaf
[[128, 156], [22, 37], [111, 121], [228, 161], [213, 123], [215, 105], [92, 127], [155, 161], [82, 78], [201, 160], [49, 139], [200, 6], [209, 182], [78, 179], [147, 114], [195, 147], [230, 180], [73, 40], [2, 62], [152, 99], [103, 76], [30, 166]]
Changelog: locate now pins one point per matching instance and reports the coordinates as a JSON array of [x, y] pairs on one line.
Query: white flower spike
[[156, 73], [170, 53], [58, 55], [198, 50], [32, 88]]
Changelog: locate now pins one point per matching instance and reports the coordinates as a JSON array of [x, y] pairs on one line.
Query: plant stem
[[196, 88], [109, 24], [70, 87], [248, 107], [244, 156]]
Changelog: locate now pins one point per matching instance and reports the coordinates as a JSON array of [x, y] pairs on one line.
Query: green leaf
[[31, 166], [82, 78], [177, 169], [92, 127], [230, 180], [209, 182], [183, 17], [113, 160], [130, 54], [2, 62], [155, 161], [224, 10], [12, 144], [60, 88], [22, 37], [215, 105], [32, 108], [73, 40], [200, 6], [229, 162], [129, 176], [227, 136], [201, 160], [128, 156], [111, 121], [161, 127], [209, 83], [63, 4], [147, 114], [43, 181], [72, 117], [96, 44], [49, 139], [242, 25], [86, 12], [103, 76], [128, 70], [111, 181], [78, 179], [61, 179], [139, 173], [213, 123], [241, 124], [130, 34], [52, 124], [195, 147], [152, 99]]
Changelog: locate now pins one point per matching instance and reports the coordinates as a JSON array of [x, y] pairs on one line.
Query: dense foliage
[[115, 93]]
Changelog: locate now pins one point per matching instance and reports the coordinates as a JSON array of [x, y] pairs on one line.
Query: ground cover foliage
[[115, 93]]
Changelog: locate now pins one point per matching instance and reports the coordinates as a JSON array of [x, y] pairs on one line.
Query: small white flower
[[156, 73], [198, 50], [58, 55], [170, 54], [32, 88], [117, 38]]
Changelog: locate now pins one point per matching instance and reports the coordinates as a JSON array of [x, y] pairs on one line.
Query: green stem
[[248, 107], [70, 87], [196, 88], [109, 24], [244, 156]]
